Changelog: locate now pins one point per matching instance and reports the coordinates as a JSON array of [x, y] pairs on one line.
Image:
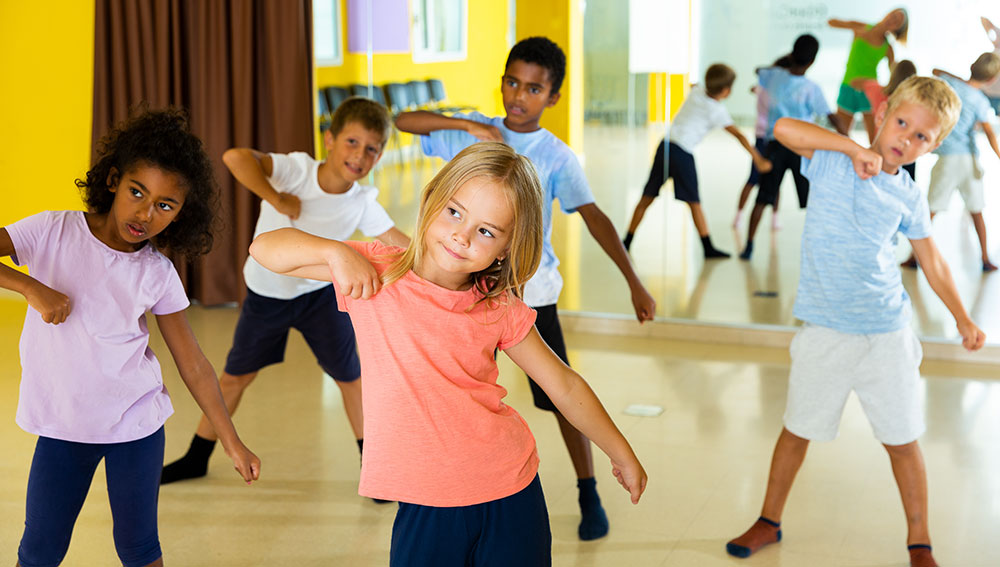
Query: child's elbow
[[781, 129]]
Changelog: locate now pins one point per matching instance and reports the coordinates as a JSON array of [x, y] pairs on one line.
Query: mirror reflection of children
[[429, 321], [91, 388]]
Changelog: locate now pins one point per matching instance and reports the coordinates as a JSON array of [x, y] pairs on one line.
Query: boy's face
[[908, 132], [527, 92], [354, 151]]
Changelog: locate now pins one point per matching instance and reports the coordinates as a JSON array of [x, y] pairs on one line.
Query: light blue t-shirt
[[975, 109], [790, 95], [561, 178], [850, 278]]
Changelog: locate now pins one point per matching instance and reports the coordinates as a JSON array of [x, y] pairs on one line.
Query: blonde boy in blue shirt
[[856, 334]]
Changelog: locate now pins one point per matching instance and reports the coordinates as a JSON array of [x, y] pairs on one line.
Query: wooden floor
[[707, 457]]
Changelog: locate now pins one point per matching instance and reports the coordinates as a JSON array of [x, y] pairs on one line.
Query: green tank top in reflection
[[863, 59]]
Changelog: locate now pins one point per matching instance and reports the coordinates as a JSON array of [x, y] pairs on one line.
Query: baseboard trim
[[758, 335]]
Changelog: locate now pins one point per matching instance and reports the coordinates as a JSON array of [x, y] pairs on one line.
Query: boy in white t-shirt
[[322, 198], [701, 112]]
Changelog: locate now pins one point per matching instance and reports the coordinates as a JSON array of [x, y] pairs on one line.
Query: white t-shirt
[[699, 115], [334, 216]]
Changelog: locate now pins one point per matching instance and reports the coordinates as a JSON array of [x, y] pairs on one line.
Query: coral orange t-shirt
[[437, 432]]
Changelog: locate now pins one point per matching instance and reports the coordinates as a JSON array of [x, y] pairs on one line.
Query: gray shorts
[[883, 369]]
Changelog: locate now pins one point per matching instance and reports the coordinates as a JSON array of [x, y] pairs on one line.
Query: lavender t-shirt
[[93, 378]]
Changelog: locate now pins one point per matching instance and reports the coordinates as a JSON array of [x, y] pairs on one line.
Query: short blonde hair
[[933, 94], [718, 78], [516, 175], [986, 67]]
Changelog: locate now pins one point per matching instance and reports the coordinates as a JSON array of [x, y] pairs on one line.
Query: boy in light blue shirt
[[856, 334], [958, 165], [532, 77]]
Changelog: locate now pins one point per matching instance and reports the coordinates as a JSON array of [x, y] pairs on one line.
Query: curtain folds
[[243, 71]]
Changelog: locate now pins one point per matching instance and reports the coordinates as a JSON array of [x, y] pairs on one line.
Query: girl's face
[[471, 232], [147, 200]]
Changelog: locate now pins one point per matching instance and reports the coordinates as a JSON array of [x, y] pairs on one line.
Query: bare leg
[[789, 452], [744, 195], [869, 126], [351, 394], [232, 392], [578, 446], [911, 477], [846, 119], [593, 519], [640, 211], [699, 219], [758, 210], [980, 224], [157, 563]]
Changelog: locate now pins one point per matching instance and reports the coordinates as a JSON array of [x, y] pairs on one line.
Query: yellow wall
[[47, 57], [474, 81], [562, 22]]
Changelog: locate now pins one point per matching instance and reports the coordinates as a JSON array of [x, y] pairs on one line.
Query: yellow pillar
[[562, 22]]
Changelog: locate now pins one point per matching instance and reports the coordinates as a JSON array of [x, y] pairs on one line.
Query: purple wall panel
[[390, 26]]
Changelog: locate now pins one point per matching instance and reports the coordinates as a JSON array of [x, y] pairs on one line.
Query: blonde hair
[[933, 94], [516, 175], [986, 67], [900, 72], [718, 78], [900, 32]]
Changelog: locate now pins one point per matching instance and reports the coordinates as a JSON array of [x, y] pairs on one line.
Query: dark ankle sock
[[627, 241], [710, 251], [761, 533], [593, 519], [920, 555], [194, 463], [745, 255], [361, 449]]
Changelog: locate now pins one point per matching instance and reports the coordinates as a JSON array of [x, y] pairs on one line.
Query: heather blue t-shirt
[[561, 177], [975, 109], [850, 279], [790, 95]]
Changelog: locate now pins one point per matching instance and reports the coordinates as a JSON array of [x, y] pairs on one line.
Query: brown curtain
[[243, 71]]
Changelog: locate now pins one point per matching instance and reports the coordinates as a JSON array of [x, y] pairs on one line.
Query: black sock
[[710, 251], [593, 520], [627, 241], [194, 463], [745, 255]]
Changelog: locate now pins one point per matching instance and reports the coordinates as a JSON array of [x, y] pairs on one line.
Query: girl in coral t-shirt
[[429, 319]]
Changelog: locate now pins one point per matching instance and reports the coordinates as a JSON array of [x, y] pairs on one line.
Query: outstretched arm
[[856, 27], [394, 237], [54, 307], [604, 233], [292, 252], [200, 379], [804, 138], [939, 276], [252, 168], [988, 130], [762, 164], [575, 400], [992, 32], [423, 122], [942, 73]]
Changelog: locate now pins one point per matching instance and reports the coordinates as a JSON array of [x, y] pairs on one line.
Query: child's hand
[[631, 476], [972, 337], [484, 132], [355, 275], [245, 462], [644, 304], [53, 306], [867, 163], [763, 165], [288, 205]]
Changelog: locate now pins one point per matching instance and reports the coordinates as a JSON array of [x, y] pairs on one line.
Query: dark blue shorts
[[761, 145], [782, 160], [262, 333], [681, 169], [509, 531], [61, 472], [547, 323]]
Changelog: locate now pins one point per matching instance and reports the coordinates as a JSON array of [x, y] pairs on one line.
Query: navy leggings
[[61, 473]]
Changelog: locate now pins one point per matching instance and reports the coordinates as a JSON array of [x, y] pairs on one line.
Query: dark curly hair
[[163, 139], [543, 52]]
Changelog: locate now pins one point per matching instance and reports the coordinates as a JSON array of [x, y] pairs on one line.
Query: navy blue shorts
[[61, 472], [509, 531], [262, 333], [547, 323], [681, 170], [761, 145], [782, 160]]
